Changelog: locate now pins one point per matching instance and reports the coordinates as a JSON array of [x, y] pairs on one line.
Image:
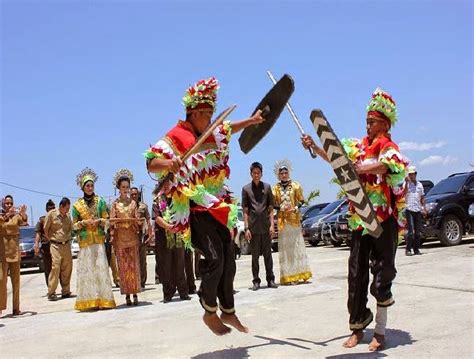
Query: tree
[[312, 195], [341, 193]]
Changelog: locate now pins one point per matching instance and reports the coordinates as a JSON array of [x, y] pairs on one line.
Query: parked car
[[311, 211], [74, 247], [311, 227], [447, 205], [150, 246], [342, 230], [239, 238], [27, 251], [328, 228], [427, 186]]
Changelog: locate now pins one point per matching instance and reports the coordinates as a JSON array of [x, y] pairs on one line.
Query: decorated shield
[[272, 105], [346, 173]]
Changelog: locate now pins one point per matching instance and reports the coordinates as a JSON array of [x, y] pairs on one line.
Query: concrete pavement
[[433, 316]]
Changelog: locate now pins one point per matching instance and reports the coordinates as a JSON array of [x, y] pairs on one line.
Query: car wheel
[[313, 243], [336, 243], [451, 231], [244, 245]]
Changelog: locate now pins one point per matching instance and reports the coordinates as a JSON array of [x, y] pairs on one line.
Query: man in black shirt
[[257, 203]]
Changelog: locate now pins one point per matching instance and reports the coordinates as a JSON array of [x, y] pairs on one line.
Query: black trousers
[[142, 252], [261, 244], [158, 232], [171, 269], [378, 254], [188, 268], [47, 260], [217, 268], [414, 230]]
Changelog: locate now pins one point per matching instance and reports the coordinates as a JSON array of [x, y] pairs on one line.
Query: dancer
[[198, 211], [381, 169]]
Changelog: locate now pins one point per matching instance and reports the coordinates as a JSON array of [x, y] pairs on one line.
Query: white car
[[239, 238], [74, 247]]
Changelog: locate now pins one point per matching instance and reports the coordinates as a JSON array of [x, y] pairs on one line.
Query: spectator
[[415, 208], [257, 203], [45, 246]]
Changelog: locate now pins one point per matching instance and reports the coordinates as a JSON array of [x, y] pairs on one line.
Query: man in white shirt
[[415, 208]]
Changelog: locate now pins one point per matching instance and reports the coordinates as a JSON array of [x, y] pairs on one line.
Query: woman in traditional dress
[[124, 222], [89, 215], [288, 198]]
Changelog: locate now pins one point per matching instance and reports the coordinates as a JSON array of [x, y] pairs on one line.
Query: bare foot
[[215, 324], [377, 343], [354, 339], [232, 319]]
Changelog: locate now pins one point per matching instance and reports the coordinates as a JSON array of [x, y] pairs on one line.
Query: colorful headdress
[[280, 165], [122, 174], [202, 92], [383, 105], [86, 175]]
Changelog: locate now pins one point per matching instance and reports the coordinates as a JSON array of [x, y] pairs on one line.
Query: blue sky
[[94, 83]]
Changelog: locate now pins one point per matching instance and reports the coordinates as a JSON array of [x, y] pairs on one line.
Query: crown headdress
[[202, 92], [87, 174], [281, 164], [383, 103], [122, 173]]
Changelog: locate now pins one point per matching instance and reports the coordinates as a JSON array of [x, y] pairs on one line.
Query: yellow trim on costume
[[386, 303], [98, 303], [295, 278], [362, 325]]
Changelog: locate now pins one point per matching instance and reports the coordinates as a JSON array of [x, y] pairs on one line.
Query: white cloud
[[437, 160], [424, 146]]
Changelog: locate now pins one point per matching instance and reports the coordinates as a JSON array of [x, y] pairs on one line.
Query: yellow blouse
[[291, 197]]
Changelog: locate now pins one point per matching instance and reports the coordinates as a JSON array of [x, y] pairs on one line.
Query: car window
[[470, 184], [27, 232], [448, 185], [331, 207]]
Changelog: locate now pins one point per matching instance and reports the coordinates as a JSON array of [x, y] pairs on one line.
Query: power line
[[43, 193]]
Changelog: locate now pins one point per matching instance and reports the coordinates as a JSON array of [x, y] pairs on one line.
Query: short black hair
[[256, 165], [50, 203], [64, 201], [135, 188], [8, 196]]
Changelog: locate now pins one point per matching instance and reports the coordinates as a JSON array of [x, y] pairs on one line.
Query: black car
[[447, 206], [330, 225], [27, 251], [311, 227], [341, 228], [312, 210]]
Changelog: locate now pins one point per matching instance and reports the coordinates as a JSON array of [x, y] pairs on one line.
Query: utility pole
[[32, 219]]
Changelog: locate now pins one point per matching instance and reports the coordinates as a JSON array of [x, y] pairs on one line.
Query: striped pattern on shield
[[346, 173]]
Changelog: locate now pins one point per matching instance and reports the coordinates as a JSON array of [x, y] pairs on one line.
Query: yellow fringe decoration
[[295, 278], [98, 303]]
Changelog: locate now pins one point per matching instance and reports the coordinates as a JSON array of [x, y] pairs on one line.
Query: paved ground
[[433, 316]]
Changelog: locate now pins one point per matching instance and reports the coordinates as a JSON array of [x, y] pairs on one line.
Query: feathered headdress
[[86, 175], [202, 92], [122, 174], [384, 104], [282, 164]]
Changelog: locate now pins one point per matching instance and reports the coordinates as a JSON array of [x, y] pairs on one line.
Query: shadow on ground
[[395, 338]]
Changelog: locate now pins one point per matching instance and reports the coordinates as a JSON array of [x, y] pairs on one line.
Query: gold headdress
[[121, 174], [281, 164], [86, 175]]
